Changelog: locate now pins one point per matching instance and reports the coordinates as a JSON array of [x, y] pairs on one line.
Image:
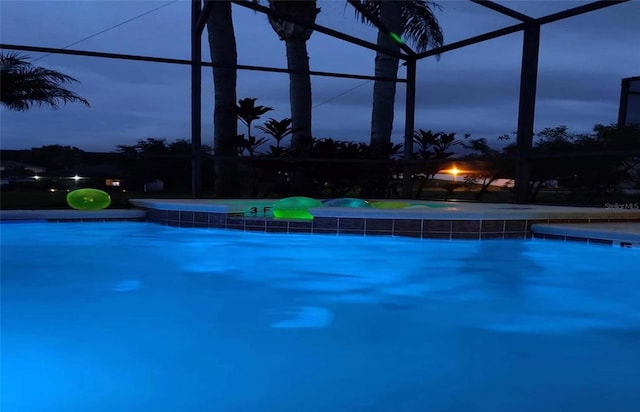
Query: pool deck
[[70, 215], [443, 220]]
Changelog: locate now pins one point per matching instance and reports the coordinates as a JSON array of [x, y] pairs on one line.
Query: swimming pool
[[144, 317]]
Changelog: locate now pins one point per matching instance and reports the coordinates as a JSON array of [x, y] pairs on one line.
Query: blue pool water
[[139, 317]]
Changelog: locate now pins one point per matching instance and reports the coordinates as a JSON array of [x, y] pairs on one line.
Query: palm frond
[[372, 6], [420, 25], [278, 129], [24, 85], [13, 60], [247, 111]]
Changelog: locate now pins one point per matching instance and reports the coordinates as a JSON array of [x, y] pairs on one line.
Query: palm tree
[[295, 37], [222, 46], [278, 129], [25, 85], [247, 113], [413, 19]]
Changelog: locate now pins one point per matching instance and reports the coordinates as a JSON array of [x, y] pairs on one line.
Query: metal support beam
[[409, 125], [504, 10], [526, 109], [378, 23], [316, 27], [203, 16], [624, 98], [578, 10], [196, 101], [625, 95], [472, 40], [73, 52], [188, 62]]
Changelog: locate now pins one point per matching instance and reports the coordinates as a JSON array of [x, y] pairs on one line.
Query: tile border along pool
[[449, 220]]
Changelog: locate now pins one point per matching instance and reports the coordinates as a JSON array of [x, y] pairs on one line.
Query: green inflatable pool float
[[428, 206], [88, 199], [388, 205], [346, 202], [296, 207]]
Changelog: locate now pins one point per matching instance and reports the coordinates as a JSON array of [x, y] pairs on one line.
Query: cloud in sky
[[470, 90]]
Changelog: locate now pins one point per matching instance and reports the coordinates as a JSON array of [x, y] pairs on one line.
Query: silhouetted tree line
[[339, 168], [148, 160], [268, 165], [158, 159], [586, 165]]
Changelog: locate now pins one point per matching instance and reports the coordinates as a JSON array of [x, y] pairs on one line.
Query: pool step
[[618, 233]]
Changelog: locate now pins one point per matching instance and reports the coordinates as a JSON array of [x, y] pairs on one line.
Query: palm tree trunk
[[222, 46], [299, 93], [295, 37], [384, 92]]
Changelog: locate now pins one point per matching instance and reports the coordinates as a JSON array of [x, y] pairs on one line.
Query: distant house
[[103, 175]]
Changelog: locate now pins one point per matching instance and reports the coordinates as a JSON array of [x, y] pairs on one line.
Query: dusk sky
[[470, 90]]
